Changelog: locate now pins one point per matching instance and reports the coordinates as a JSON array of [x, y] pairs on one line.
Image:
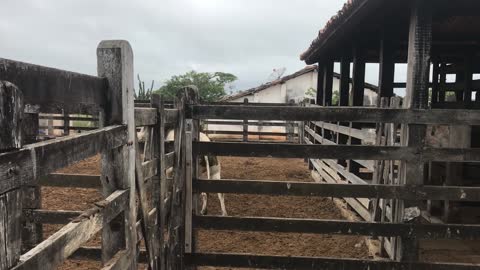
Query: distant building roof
[[282, 80]]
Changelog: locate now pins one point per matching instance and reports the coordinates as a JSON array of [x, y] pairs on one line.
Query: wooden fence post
[[176, 233], [245, 124], [11, 113], [289, 126], [115, 63], [416, 97]]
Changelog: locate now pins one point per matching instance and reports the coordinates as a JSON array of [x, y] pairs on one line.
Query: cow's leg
[[221, 198], [204, 198], [215, 175]]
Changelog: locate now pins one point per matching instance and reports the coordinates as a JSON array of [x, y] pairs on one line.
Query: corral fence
[[404, 228], [253, 131], [142, 202], [35, 100]]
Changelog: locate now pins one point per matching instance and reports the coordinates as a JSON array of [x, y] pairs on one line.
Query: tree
[[211, 86], [143, 94]]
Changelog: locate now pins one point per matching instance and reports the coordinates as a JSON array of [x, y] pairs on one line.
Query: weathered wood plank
[[170, 115], [70, 180], [43, 216], [284, 150], [11, 114], [10, 228], [147, 229], [115, 63], [120, 261], [59, 246], [364, 135], [337, 114], [323, 226], [25, 166], [250, 123], [53, 89], [314, 263], [145, 117], [281, 188], [149, 168], [244, 134]]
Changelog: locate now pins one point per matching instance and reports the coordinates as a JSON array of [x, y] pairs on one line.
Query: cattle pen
[[405, 189]]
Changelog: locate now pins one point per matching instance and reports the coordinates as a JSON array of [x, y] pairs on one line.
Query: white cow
[[210, 167]]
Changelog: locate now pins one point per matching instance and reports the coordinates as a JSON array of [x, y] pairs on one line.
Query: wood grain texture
[[25, 166], [54, 90]]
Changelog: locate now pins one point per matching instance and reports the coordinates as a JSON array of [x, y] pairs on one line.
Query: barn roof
[[365, 21], [282, 80]]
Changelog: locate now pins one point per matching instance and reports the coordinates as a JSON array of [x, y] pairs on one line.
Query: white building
[[295, 87]]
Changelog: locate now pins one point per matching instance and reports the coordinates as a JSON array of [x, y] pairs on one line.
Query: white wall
[[295, 89]]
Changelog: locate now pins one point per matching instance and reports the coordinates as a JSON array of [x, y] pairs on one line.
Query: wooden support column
[[468, 77], [344, 93], [412, 171], [115, 63], [245, 124], [327, 83], [385, 92], [435, 80], [358, 89], [320, 84], [11, 114], [442, 82], [344, 81], [386, 67]]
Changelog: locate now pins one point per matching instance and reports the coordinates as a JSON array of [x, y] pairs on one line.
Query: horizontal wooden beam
[[353, 132], [342, 227], [69, 118], [280, 188], [27, 165], [251, 133], [336, 114], [145, 117], [70, 127], [363, 152], [70, 180], [59, 246], [250, 123], [50, 216], [314, 263], [95, 254], [241, 103], [55, 90]]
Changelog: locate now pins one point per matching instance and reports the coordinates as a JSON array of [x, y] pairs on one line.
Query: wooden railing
[[329, 153], [108, 100]]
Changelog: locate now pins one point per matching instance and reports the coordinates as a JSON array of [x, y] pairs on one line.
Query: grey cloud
[[245, 37]]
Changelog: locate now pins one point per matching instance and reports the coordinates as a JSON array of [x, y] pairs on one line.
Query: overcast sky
[[245, 37]]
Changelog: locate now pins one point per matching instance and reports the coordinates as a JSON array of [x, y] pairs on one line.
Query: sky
[[248, 38]]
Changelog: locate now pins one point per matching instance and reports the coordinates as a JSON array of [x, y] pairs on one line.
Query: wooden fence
[[406, 234], [259, 131], [129, 172]]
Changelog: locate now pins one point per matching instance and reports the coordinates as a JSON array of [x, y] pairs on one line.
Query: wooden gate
[[407, 232]]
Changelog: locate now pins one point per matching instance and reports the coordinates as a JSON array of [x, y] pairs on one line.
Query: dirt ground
[[237, 205], [289, 244]]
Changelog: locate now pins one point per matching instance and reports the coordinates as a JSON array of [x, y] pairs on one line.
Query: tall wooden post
[[328, 83], [413, 135], [344, 92], [320, 84], [245, 125], [158, 102], [11, 113], [358, 89], [115, 63]]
